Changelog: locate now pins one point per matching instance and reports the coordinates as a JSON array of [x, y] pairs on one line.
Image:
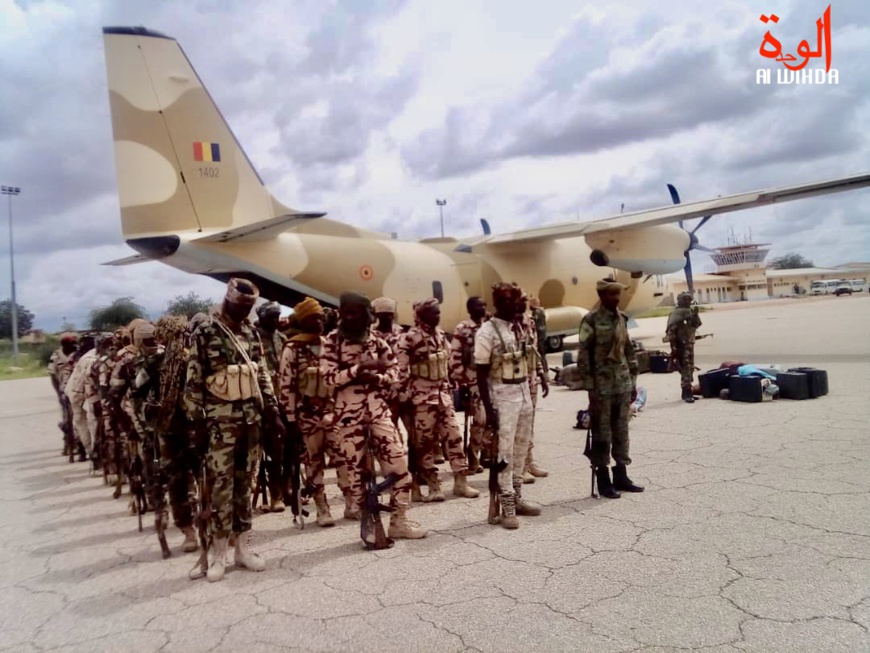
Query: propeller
[[693, 240]]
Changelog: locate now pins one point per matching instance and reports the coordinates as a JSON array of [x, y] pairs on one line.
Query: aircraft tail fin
[[179, 165]]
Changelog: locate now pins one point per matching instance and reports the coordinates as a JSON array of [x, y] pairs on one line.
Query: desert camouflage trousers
[[386, 447], [610, 430], [231, 462], [534, 384], [80, 424], [433, 423], [321, 441], [514, 406]]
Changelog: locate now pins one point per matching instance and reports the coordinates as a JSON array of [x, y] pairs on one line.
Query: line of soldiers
[[216, 405]]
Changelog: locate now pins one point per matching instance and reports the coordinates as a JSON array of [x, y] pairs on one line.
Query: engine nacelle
[[651, 250]]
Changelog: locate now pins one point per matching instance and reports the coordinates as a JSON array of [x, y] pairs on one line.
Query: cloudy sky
[[522, 113]]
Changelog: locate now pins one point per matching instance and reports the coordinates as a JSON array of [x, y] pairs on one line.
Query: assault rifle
[[157, 480], [66, 425], [371, 527], [260, 488], [297, 491], [137, 483], [584, 420], [201, 519], [495, 467]]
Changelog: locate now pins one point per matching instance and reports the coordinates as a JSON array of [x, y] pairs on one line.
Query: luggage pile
[[756, 383]]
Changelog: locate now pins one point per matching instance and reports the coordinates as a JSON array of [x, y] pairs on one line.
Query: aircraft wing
[[652, 217], [263, 230], [128, 260]]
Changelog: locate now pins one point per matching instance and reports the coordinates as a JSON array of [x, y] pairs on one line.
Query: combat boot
[[527, 476], [621, 480], [415, 490], [83, 455], [509, 512], [190, 544], [536, 471], [277, 504], [435, 493], [219, 559], [351, 510], [324, 518], [687, 396], [605, 487], [473, 463], [522, 508], [244, 556], [461, 487], [403, 528]]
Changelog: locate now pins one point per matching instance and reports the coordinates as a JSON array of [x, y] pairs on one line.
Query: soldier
[[540, 318], [75, 392], [613, 368], [60, 366], [362, 368], [180, 463], [227, 395], [682, 324], [93, 403], [537, 376], [424, 352], [269, 315], [463, 372], [385, 327], [308, 407], [501, 356]]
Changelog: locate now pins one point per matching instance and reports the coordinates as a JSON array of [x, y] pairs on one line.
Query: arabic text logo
[[771, 48]]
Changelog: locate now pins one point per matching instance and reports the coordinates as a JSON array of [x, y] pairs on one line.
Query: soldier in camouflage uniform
[[424, 352], [613, 369], [60, 366], [308, 407], [502, 359], [228, 395], [269, 315], [463, 372], [682, 324], [537, 378], [75, 391], [112, 456], [385, 327], [94, 404], [362, 368]]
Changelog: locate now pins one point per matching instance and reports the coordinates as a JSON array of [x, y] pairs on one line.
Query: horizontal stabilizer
[[669, 214], [128, 260], [258, 231]]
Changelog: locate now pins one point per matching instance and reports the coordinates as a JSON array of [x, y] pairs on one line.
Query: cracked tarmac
[[753, 534]]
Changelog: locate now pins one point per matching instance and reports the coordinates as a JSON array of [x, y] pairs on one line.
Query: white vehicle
[[824, 287], [857, 285]]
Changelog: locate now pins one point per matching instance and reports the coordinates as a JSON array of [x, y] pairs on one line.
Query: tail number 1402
[[209, 172]]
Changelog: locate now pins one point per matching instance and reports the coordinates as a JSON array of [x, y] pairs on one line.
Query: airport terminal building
[[740, 274]]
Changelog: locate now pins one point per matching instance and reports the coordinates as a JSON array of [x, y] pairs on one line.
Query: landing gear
[[555, 343]]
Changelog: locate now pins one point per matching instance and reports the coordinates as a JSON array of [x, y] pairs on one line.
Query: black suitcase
[[817, 379], [793, 385], [713, 382], [745, 388], [642, 362], [659, 363]]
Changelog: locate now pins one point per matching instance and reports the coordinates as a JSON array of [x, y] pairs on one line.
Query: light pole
[[441, 204], [10, 191]]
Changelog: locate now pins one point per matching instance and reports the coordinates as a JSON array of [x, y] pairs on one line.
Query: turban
[[308, 306], [69, 337], [354, 298], [241, 291], [425, 304], [384, 305], [134, 323], [609, 284], [508, 290], [269, 308], [142, 332]]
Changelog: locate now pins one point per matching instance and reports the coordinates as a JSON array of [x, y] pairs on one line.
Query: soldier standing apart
[[228, 395], [503, 381], [537, 376], [463, 371], [362, 368], [308, 406], [424, 351], [273, 340], [60, 366], [613, 369], [682, 324]]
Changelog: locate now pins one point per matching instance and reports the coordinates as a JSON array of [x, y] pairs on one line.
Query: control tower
[[745, 264]]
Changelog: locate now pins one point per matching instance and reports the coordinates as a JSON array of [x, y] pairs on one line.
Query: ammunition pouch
[[513, 367], [311, 384], [433, 368], [234, 383]]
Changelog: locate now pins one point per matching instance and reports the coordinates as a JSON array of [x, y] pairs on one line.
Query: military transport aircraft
[[191, 198]]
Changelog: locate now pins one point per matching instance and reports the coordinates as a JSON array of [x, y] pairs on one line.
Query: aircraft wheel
[[555, 343]]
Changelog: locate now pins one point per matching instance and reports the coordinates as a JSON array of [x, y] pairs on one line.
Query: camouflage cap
[[384, 305], [269, 308], [425, 304], [609, 284]]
